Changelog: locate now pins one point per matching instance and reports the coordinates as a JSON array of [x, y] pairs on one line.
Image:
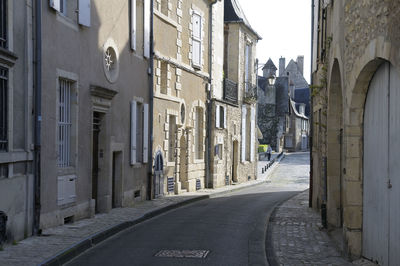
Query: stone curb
[[76, 249], [269, 249]]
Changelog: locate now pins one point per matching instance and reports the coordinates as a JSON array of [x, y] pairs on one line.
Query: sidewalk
[[60, 244], [295, 237]]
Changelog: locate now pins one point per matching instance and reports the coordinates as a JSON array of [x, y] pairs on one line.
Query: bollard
[[3, 227]]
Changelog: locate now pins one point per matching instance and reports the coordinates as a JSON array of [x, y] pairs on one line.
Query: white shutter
[[146, 32], [84, 13], [224, 116], [133, 25], [55, 4], [196, 39], [196, 53], [217, 125], [252, 132], [133, 132], [145, 133], [69, 188], [243, 146]]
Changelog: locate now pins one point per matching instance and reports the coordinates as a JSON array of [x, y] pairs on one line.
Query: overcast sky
[[285, 28]]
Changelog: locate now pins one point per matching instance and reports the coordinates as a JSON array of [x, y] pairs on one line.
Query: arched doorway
[[334, 149], [381, 174], [183, 163], [158, 175]]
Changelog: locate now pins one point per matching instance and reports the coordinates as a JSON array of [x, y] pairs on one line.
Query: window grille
[[3, 23], [4, 109], [64, 124]]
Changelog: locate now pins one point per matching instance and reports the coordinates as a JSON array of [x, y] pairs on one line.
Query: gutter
[[311, 123], [37, 115], [208, 183], [151, 103]]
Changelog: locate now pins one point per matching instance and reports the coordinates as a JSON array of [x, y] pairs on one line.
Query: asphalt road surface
[[225, 230]]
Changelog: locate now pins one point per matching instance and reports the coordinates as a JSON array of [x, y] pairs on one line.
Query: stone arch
[[334, 147]]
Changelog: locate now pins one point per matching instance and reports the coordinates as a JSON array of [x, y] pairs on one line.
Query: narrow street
[[225, 230]]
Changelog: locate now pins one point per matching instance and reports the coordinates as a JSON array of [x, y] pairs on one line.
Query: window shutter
[[217, 125], [243, 146], [196, 52], [146, 32], [252, 132], [133, 132], [60, 190], [84, 13], [224, 117], [145, 133], [55, 4], [133, 25], [196, 39]]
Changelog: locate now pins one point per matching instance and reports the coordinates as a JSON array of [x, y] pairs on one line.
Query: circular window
[[110, 61], [183, 113]]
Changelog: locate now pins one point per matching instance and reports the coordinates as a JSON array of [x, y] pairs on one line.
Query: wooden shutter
[[133, 25], [217, 125], [252, 132], [84, 13], [145, 133], [133, 132], [55, 4], [224, 117], [243, 146], [146, 32]]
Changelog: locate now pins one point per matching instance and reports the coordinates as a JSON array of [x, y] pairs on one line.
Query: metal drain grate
[[194, 254]]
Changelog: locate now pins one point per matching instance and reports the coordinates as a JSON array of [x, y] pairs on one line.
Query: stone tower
[[282, 65]]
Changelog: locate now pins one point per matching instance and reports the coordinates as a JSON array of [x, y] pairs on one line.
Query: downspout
[[209, 103], [311, 124], [151, 103], [37, 114]]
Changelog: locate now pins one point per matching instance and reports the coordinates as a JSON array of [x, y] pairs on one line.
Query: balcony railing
[[230, 91], [250, 92]]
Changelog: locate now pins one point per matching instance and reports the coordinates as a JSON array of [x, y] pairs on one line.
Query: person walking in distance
[[269, 151]]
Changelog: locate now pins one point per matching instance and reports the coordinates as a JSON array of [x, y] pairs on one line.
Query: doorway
[[117, 179], [97, 117], [235, 160]]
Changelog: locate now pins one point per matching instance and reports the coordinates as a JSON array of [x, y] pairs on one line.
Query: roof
[[269, 65], [293, 104], [234, 13], [303, 96]]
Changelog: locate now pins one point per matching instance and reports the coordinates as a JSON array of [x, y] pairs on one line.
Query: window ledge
[[66, 171], [7, 57], [67, 21]]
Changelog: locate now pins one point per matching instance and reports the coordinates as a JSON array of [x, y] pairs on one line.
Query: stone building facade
[[16, 118], [233, 137], [355, 76], [95, 107]]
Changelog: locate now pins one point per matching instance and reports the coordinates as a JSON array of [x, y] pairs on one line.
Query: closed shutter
[[146, 32], [252, 132], [243, 146], [133, 24], [69, 189], [133, 132], [217, 125], [145, 133], [55, 4], [224, 117], [84, 13], [60, 190], [196, 39]]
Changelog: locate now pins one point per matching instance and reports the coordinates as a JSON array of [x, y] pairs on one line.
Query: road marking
[[194, 254]]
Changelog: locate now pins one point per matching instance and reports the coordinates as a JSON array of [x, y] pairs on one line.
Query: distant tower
[[300, 63], [269, 69], [282, 65]]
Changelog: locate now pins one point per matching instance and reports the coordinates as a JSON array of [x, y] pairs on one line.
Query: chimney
[[300, 63], [282, 65]]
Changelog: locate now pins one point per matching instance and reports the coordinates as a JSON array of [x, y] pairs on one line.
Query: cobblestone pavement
[[37, 249], [296, 237]]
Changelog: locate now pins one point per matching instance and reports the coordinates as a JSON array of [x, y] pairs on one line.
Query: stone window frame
[[74, 79]]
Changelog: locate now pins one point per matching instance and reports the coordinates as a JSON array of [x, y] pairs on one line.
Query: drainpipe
[[151, 80], [37, 114], [209, 97], [311, 124]]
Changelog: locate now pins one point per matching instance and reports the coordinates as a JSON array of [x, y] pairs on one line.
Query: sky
[[285, 28]]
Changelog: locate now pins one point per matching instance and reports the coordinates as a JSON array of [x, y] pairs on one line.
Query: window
[[220, 117], [64, 123], [171, 138], [164, 7], [83, 8], [218, 151], [164, 77], [247, 70], [3, 23], [196, 40], [63, 7], [139, 132], [198, 133], [133, 24], [4, 109], [3, 170]]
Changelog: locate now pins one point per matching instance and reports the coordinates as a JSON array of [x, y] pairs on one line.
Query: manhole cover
[[195, 254]]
